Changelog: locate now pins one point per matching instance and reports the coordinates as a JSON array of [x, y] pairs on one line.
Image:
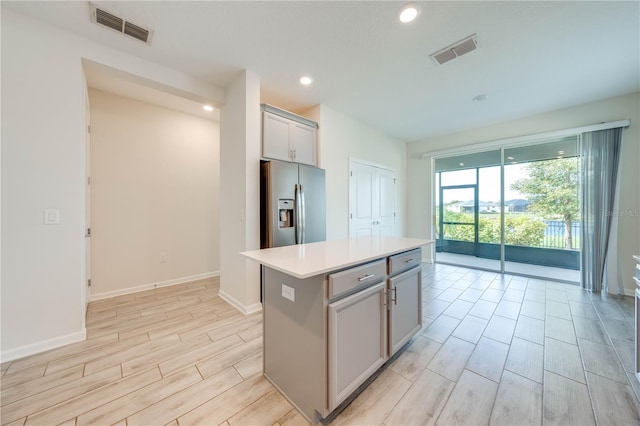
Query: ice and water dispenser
[[285, 213]]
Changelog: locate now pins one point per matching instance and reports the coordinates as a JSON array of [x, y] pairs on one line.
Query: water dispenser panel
[[285, 213]]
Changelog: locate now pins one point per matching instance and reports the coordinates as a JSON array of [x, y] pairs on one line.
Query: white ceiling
[[533, 56]]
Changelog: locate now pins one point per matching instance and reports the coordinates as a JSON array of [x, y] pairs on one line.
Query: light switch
[[51, 217], [289, 292]]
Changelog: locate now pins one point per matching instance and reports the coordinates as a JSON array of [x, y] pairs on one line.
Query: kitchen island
[[334, 312]]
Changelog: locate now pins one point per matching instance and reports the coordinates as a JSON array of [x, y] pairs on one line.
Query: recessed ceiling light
[[462, 164], [510, 158], [481, 98], [306, 80], [408, 12], [207, 108], [560, 152]]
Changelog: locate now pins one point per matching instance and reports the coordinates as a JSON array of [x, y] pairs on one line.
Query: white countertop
[[307, 260]]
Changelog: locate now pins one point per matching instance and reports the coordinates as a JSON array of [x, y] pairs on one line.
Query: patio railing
[[554, 235], [547, 250]]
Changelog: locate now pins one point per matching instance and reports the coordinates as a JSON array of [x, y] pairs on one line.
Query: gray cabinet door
[[405, 307], [357, 331]]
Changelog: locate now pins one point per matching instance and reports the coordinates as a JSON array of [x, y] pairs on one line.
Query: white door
[[361, 200], [87, 205], [372, 200], [387, 201]]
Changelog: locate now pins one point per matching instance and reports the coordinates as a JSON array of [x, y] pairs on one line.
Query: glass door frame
[[476, 187], [504, 148], [475, 212]]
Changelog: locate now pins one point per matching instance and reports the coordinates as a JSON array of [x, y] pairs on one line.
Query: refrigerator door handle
[[302, 213], [299, 215]]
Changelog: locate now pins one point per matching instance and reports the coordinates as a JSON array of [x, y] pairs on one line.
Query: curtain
[[613, 268], [600, 157]]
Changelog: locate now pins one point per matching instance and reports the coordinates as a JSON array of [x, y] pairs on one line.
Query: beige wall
[[154, 200], [342, 137], [240, 193], [618, 108], [43, 167]]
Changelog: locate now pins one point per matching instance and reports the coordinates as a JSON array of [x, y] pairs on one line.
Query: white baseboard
[[42, 346], [136, 289], [630, 292], [246, 310]]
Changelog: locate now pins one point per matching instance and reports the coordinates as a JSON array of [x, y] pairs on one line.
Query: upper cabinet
[[288, 137]]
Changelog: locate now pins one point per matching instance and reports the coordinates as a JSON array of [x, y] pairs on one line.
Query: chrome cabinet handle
[[366, 277], [394, 297], [408, 260]]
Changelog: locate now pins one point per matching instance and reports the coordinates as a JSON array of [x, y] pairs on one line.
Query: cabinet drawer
[[404, 261], [342, 283]]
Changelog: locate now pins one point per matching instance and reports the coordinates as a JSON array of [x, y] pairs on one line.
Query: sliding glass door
[[542, 238], [468, 214], [515, 209]]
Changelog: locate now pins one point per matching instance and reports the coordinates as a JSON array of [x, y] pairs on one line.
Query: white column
[[240, 125], [419, 204]]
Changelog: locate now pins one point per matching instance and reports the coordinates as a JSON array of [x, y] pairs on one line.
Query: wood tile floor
[[494, 350]]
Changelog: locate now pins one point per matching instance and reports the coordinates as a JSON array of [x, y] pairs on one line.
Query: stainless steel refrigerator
[[292, 200]]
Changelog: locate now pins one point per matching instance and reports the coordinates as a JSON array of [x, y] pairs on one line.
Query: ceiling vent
[[457, 49], [116, 23]]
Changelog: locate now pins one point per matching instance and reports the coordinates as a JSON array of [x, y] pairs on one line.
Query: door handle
[[303, 239], [299, 218]]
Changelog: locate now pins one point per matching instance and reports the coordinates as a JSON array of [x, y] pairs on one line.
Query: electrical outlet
[[289, 292], [163, 257]]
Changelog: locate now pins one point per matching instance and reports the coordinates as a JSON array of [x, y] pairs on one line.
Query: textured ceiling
[[533, 56]]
